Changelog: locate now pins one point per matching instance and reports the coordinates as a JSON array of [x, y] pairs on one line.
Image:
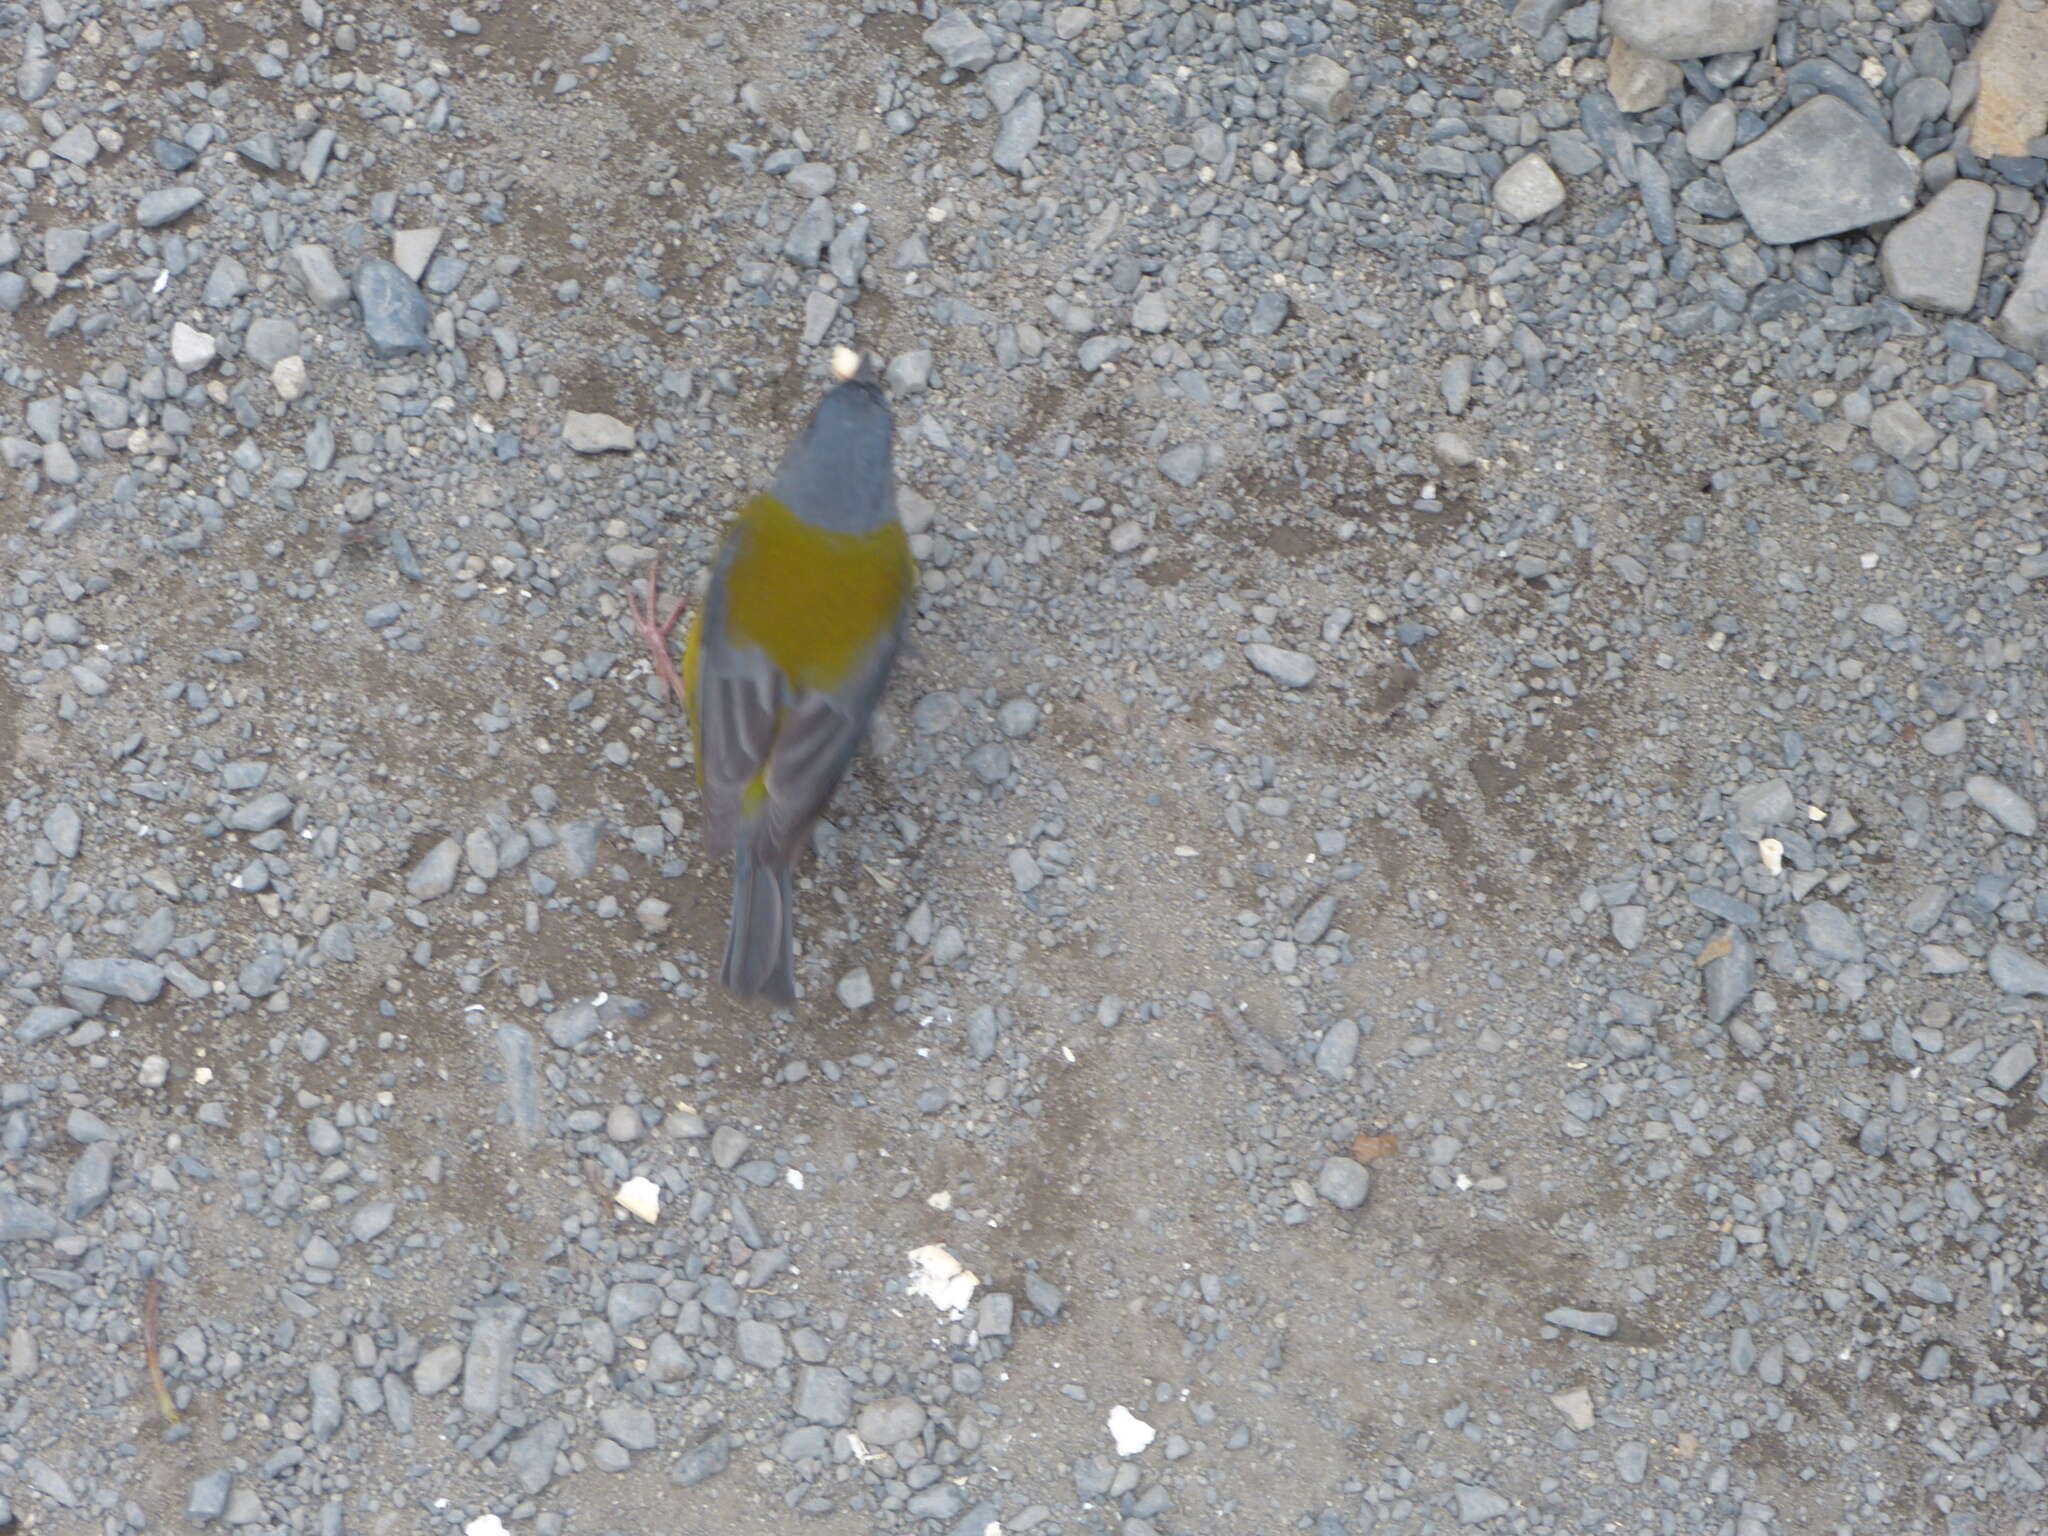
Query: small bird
[[787, 655]]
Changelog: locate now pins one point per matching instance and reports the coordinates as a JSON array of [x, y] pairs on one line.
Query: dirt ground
[[1545, 668]]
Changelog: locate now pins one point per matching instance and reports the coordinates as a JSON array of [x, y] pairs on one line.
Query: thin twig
[[156, 1365]]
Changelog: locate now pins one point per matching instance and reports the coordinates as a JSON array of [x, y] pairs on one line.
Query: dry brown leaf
[[1720, 944], [1370, 1149], [164, 1404]]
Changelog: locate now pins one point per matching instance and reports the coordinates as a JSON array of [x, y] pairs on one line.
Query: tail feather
[[759, 947]]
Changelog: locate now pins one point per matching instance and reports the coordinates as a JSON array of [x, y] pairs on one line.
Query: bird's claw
[[655, 629]]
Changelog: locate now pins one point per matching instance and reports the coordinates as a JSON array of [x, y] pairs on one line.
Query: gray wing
[[739, 698], [820, 734], [750, 721]]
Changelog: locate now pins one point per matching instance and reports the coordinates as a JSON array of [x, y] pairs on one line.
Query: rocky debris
[[1344, 1182], [1728, 975], [1600, 1325], [1022, 127], [2017, 973], [136, 981], [1902, 432], [413, 249], [191, 349]]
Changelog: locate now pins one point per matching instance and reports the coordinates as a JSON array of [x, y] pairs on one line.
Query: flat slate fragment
[[1601, 1325], [1822, 170]]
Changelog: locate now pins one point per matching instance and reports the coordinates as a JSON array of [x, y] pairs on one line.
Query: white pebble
[[191, 349], [640, 1196], [1131, 1433], [288, 378]]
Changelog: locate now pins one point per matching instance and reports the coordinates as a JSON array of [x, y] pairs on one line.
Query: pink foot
[[655, 629]]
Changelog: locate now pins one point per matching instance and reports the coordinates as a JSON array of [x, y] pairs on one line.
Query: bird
[[787, 655]]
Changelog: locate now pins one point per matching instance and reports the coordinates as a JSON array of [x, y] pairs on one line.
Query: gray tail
[[759, 957]]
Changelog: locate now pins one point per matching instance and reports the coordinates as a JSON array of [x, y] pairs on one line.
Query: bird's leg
[[655, 629]]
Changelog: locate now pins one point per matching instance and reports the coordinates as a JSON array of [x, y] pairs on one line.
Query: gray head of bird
[[839, 473]]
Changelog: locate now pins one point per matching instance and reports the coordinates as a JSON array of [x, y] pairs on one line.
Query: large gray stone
[[1832, 933], [2017, 973], [702, 1462], [2005, 805], [1528, 189], [823, 1395], [156, 209], [1822, 170], [1321, 87], [959, 43], [1344, 1182], [595, 432], [1901, 431], [1728, 978], [487, 1364], [1934, 259], [1693, 29], [116, 976], [2023, 323], [1023, 126], [270, 340], [21, 1222], [890, 1421], [1639, 81]]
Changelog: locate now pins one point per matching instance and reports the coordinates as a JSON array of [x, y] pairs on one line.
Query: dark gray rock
[[395, 312], [487, 1365], [701, 1462], [823, 1395], [1822, 170], [1729, 978], [91, 1181]]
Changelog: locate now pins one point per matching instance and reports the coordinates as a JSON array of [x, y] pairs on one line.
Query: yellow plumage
[[815, 601]]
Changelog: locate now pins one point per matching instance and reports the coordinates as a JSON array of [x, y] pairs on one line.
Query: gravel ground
[[1447, 913]]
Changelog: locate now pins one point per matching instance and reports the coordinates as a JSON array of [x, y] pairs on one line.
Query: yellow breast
[[813, 600]]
